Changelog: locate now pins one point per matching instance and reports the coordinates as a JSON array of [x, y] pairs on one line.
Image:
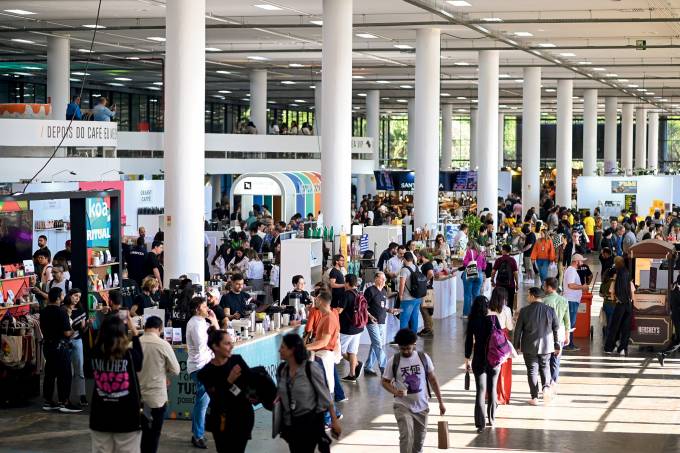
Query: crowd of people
[[246, 126]]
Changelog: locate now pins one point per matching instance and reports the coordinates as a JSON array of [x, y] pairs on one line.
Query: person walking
[[498, 306], [427, 269], [505, 274], [159, 362], [410, 304], [543, 254], [225, 378], [350, 331], [480, 326], [623, 311], [474, 264], [408, 376], [199, 354], [376, 297], [305, 398], [537, 337], [558, 303], [572, 290], [115, 419]]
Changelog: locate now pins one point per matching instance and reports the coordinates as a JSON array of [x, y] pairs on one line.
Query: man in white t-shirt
[[409, 380], [572, 291], [199, 354]]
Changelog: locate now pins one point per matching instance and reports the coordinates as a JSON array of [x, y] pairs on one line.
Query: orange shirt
[[329, 323], [312, 319]]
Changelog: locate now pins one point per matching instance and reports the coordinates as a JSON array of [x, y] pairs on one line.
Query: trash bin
[[583, 316]]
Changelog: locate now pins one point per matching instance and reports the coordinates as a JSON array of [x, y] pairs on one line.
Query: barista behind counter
[[298, 292], [237, 301]]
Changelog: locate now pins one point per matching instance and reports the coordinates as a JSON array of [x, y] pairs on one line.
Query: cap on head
[[577, 257]]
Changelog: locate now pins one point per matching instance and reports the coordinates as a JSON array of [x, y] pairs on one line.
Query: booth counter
[[262, 350], [445, 289]]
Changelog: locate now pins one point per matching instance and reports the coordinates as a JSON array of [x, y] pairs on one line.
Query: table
[[259, 351], [445, 296]]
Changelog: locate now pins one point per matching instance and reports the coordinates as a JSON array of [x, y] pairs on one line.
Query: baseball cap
[[214, 292], [577, 257]]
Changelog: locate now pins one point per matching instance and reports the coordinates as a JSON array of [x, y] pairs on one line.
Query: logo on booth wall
[[98, 222]]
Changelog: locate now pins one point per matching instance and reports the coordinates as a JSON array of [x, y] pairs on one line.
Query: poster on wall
[[629, 203], [98, 222], [624, 186], [106, 185]]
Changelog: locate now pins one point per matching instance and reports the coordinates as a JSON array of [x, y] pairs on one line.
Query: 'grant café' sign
[[32, 132]]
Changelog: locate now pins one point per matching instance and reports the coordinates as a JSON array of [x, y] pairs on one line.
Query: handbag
[[467, 379], [428, 300], [145, 417], [277, 418]]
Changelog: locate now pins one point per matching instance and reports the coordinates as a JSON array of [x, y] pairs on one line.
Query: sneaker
[[348, 378], [426, 333], [547, 395], [533, 402], [370, 372], [69, 409], [623, 353], [342, 400], [83, 400], [50, 406], [340, 416], [199, 443], [661, 358], [359, 370], [608, 352]]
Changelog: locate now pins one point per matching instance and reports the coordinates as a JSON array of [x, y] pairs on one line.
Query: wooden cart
[[652, 324]]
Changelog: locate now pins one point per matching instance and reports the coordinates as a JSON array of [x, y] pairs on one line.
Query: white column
[[317, 107], [610, 132], [58, 74], [258, 100], [447, 137], [336, 111], [184, 138], [627, 138], [641, 138], [589, 132], [531, 139], [216, 183], [411, 139], [487, 142], [373, 131], [501, 140], [565, 91], [653, 141], [474, 144], [426, 163]]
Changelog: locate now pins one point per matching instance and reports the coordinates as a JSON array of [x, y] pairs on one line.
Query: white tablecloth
[[445, 297], [392, 323]]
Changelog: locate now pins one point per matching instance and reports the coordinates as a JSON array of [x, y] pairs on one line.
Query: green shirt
[[561, 307]]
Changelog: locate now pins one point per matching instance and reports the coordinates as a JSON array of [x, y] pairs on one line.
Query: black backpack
[[418, 283], [504, 274]]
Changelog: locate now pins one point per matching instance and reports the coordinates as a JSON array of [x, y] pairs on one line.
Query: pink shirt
[[472, 255]]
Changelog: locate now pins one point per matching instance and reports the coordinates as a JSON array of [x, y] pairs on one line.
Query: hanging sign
[[98, 222], [18, 132]]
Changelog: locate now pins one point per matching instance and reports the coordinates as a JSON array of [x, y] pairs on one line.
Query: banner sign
[[98, 222], [624, 186], [404, 180], [32, 132]]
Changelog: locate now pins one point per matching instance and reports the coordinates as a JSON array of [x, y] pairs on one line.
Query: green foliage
[[474, 224]]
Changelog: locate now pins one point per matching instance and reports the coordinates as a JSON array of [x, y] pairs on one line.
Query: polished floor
[[605, 404]]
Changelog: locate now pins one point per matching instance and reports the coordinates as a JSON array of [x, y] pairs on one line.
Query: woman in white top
[[498, 305], [274, 276], [255, 271], [239, 262], [443, 249]]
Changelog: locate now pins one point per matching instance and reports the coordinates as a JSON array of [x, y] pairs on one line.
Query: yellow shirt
[[571, 219], [589, 226]]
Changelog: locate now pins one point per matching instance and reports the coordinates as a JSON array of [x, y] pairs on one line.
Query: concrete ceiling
[[600, 35]]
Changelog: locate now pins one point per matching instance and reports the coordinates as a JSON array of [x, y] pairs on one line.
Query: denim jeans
[[200, 407], [377, 333], [554, 367], [338, 392], [78, 381], [409, 315], [471, 288], [608, 312], [543, 266], [573, 311]]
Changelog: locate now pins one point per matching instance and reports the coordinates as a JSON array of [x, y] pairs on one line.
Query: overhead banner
[[22, 132], [624, 187], [98, 222]]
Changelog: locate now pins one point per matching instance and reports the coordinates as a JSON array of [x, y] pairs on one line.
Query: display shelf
[[51, 229], [13, 278], [105, 290], [115, 263]]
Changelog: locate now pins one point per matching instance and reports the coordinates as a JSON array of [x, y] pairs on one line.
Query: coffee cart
[[651, 264]]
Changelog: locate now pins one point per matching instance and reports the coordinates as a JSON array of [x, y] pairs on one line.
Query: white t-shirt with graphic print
[[411, 376]]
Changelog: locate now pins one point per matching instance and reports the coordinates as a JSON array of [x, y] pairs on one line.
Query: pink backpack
[[498, 347]]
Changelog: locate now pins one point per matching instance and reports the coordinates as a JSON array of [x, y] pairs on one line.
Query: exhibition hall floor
[[605, 404]]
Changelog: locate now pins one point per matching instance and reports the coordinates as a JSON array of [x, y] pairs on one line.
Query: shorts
[[349, 344]]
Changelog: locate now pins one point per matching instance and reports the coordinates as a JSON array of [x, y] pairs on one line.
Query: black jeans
[[486, 383], [305, 433], [536, 363], [57, 368], [230, 443], [619, 328], [151, 435]]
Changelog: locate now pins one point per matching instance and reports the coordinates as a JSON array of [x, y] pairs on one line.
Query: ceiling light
[[114, 84], [153, 88], [474, 101], [287, 82], [356, 107], [611, 75], [21, 12], [85, 51], [74, 80], [385, 99], [32, 68], [632, 85], [295, 65], [312, 86], [641, 90], [445, 95], [213, 49], [25, 74], [599, 69], [294, 105], [459, 3], [224, 91], [382, 82], [402, 46], [268, 7], [503, 106], [503, 76], [519, 80], [406, 87], [23, 41], [257, 58], [156, 38], [523, 34], [316, 22], [549, 90], [80, 73], [223, 72], [492, 19], [461, 110], [584, 63], [482, 29], [158, 83], [622, 80], [567, 54], [271, 102], [123, 79], [221, 97], [403, 101], [357, 77], [132, 58], [366, 36], [546, 44], [97, 26], [299, 100], [650, 93], [363, 95], [461, 63], [461, 98], [514, 43]]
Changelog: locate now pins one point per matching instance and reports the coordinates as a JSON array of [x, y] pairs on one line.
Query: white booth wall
[[595, 191]]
